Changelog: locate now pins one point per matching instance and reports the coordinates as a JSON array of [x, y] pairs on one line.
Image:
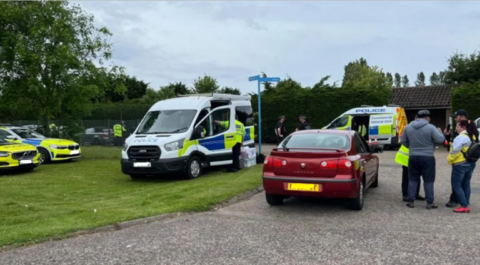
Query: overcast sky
[[169, 41]]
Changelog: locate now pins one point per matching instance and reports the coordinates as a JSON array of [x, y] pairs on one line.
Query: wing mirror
[[11, 137], [199, 132]]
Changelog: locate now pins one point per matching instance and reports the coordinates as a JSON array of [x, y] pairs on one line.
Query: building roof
[[419, 97]]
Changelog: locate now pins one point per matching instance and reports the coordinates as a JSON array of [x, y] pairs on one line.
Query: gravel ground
[[299, 232]]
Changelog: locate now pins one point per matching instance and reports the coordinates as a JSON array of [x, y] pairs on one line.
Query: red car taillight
[[343, 166], [271, 162]]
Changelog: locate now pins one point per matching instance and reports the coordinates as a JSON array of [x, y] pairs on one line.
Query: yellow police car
[[49, 149], [15, 156]]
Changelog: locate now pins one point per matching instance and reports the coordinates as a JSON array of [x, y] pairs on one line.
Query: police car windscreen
[[167, 121], [317, 141], [27, 133]]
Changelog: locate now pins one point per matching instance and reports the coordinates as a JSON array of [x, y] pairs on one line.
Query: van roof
[[196, 101]]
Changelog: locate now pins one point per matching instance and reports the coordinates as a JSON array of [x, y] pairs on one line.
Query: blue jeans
[[461, 177]]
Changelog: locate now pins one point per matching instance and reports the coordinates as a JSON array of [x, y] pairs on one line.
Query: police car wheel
[[44, 156], [194, 167], [357, 203]]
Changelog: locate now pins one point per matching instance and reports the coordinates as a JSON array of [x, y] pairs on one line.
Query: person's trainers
[[410, 205], [420, 198], [451, 204], [432, 206], [461, 209]]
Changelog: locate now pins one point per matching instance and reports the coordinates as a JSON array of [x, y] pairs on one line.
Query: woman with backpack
[[463, 155]]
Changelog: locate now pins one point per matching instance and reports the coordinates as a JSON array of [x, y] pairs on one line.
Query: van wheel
[[273, 199], [194, 167], [357, 203], [44, 156], [375, 182]]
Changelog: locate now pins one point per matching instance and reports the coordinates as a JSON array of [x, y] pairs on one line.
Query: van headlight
[[174, 145], [125, 147], [3, 154]]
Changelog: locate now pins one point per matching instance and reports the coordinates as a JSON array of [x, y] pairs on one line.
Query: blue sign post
[[259, 81]]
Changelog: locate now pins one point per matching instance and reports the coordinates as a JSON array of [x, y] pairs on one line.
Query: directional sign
[[254, 78], [270, 79]]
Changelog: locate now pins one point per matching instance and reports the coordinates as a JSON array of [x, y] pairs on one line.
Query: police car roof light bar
[[218, 96]]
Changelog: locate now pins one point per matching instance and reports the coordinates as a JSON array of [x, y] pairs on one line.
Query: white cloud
[[162, 42]]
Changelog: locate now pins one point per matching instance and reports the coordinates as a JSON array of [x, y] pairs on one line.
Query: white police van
[[384, 124], [181, 135]]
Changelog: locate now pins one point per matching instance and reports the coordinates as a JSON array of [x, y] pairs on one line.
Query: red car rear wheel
[[273, 199]]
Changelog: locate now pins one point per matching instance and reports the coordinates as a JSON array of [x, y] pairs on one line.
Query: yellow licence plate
[[304, 187]]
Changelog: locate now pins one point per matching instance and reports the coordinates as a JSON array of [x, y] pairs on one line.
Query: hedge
[[320, 107], [118, 111], [467, 97]]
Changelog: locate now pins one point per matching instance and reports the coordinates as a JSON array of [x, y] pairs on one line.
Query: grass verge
[[57, 199]]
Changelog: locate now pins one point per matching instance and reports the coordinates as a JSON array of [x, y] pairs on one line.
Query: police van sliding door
[[219, 137], [381, 127]]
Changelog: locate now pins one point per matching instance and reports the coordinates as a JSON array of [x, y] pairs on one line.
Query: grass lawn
[[57, 199]]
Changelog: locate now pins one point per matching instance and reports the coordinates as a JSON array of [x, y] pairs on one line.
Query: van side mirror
[[11, 137], [199, 132]]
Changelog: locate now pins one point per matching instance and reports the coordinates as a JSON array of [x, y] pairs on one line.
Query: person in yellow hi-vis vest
[[118, 130], [240, 137], [53, 128], [362, 130], [402, 159]]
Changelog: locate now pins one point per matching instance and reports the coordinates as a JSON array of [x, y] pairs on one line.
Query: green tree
[[205, 84], [229, 90], [405, 81], [180, 88], [434, 79], [353, 70], [389, 78], [322, 84], [420, 79], [135, 88], [48, 51], [462, 68], [443, 79], [398, 80], [267, 86], [152, 96]]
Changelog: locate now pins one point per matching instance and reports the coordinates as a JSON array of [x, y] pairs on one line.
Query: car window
[[361, 149], [317, 140], [219, 122], [3, 134], [340, 122], [245, 115], [167, 121], [27, 133]]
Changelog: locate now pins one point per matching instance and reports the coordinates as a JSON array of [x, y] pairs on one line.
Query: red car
[[321, 163]]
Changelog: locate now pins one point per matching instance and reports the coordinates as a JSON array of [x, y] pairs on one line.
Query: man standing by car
[[280, 129], [304, 125], [459, 115], [420, 138], [402, 159]]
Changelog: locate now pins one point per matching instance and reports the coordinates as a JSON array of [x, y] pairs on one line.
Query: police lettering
[[370, 110], [147, 140]]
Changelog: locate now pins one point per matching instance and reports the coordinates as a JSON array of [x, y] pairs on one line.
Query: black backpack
[[473, 153]]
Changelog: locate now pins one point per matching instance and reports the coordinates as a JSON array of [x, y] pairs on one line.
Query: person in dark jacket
[[304, 125], [420, 138], [280, 130]]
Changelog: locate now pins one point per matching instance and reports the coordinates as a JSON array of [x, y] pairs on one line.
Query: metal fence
[[85, 132]]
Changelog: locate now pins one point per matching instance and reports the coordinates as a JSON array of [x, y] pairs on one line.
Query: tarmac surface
[[299, 232]]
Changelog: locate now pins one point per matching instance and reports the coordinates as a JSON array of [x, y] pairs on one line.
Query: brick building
[[436, 99]]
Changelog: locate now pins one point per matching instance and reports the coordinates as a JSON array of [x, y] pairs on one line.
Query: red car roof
[[342, 132]]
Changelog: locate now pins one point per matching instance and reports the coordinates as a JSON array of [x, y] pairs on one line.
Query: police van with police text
[[183, 135], [378, 125]]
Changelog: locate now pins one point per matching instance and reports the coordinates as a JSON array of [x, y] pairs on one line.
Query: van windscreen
[[166, 121]]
